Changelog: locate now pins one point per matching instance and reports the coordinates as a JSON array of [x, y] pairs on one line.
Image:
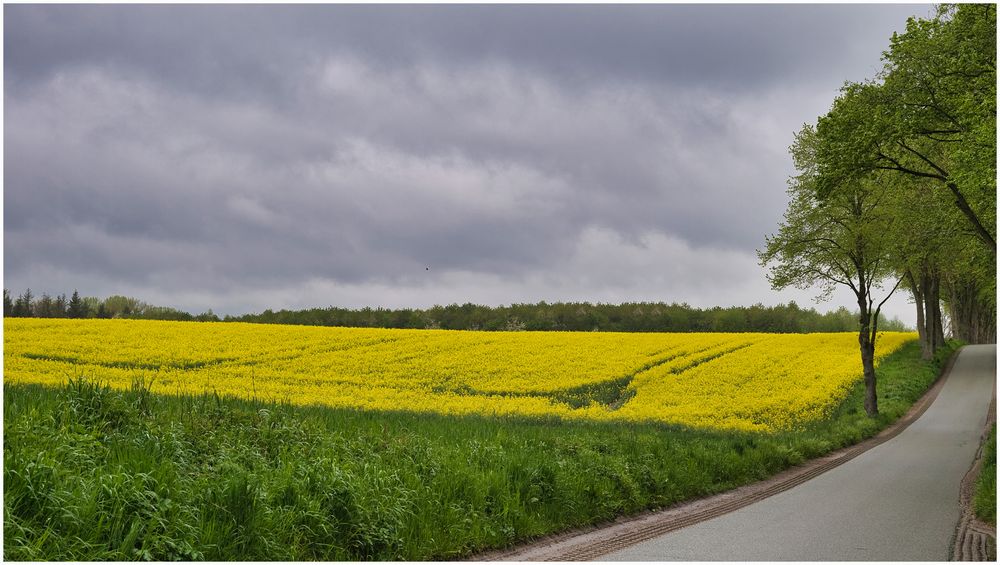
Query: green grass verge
[[985, 500], [96, 474]]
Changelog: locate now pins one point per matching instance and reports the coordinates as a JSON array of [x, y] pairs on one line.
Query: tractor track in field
[[592, 542]]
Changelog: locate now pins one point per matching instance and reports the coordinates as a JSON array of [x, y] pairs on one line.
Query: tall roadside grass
[[984, 502], [96, 474]]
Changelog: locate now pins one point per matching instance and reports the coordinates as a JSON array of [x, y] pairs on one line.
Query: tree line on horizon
[[578, 316], [542, 316], [27, 305], [896, 187]]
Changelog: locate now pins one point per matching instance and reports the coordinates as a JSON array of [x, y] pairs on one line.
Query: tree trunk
[[988, 322], [867, 343], [934, 330], [973, 317], [936, 306], [961, 307], [868, 363], [918, 298], [925, 284]]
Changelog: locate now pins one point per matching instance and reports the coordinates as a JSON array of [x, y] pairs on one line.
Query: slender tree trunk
[[936, 306], [987, 322], [867, 343], [961, 307], [868, 362], [932, 309], [918, 298], [925, 283]]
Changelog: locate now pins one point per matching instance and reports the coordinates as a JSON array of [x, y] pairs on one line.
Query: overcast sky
[[248, 157]]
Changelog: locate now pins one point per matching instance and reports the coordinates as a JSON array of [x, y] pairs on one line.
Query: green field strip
[[702, 360], [184, 366], [612, 393]]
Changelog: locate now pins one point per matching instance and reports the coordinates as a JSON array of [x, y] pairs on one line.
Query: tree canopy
[[897, 183]]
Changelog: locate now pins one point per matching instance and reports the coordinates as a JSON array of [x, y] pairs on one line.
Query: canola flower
[[756, 382]]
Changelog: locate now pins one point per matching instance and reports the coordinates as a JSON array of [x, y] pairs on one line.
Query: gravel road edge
[[975, 540]]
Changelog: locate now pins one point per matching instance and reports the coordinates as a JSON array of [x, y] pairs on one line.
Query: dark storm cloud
[[202, 153], [740, 46]]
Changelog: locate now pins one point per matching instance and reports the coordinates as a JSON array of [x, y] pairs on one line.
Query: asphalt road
[[896, 502]]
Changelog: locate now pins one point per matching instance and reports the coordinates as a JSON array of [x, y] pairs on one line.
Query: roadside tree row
[[896, 187]]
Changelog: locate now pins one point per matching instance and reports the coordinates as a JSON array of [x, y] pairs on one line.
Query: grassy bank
[[985, 500], [91, 473]]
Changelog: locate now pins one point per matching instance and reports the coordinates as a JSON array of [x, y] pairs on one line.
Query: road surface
[[897, 501]]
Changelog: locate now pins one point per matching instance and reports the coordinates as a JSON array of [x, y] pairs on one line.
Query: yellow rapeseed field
[[762, 382]]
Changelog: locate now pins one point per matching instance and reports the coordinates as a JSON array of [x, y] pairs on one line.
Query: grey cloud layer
[[199, 153], [739, 46]]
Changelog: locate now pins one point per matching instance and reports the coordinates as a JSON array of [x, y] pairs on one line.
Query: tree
[[8, 304], [941, 81], [23, 305], [59, 306], [929, 120], [968, 289], [924, 239], [45, 306], [941, 76], [118, 306], [93, 306], [932, 116], [208, 316], [76, 308], [840, 238]]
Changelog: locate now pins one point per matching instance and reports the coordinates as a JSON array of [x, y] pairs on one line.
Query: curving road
[[898, 501]]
